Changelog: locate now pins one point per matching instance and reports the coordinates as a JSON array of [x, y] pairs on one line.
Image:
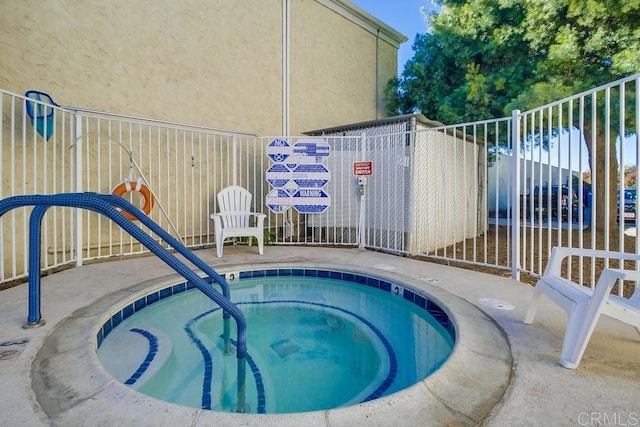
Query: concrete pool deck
[[502, 372]]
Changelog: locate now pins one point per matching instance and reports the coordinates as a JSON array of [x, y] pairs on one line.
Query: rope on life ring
[[125, 187]]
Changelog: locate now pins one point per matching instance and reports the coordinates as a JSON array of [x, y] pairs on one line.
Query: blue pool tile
[[284, 272], [297, 272], [180, 287], [348, 277], [373, 282], [311, 273], [433, 308], [190, 285], [271, 273], [106, 328], [206, 402], [128, 311], [385, 286], [131, 381], [100, 337], [153, 297], [116, 319], [361, 279], [442, 319], [140, 303], [439, 314], [166, 292], [258, 273], [245, 274], [420, 301], [335, 275], [323, 273], [408, 295]]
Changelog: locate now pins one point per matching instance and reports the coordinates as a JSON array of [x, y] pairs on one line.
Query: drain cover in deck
[[496, 303]]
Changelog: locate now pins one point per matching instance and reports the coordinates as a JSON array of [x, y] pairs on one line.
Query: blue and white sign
[[311, 175], [310, 151], [311, 201], [278, 201], [279, 150], [278, 175], [298, 176]]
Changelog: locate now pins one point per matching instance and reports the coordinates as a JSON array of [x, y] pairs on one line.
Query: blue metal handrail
[[182, 250], [104, 204]]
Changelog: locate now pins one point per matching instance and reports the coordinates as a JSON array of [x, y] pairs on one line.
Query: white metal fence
[[455, 193], [31, 166], [577, 156]]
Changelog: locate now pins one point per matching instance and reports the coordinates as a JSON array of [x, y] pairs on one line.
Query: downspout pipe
[[377, 91], [286, 65]]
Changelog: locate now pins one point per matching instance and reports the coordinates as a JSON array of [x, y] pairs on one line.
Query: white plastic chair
[[233, 220], [584, 305]]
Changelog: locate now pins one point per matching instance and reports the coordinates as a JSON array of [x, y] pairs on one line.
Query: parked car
[[630, 205], [545, 203]]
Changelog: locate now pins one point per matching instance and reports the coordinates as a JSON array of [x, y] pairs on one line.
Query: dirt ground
[[539, 241], [477, 245]]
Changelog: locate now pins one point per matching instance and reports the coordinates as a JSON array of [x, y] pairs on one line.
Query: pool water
[[312, 343]]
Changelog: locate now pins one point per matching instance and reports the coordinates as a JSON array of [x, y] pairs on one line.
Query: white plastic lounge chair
[[234, 203], [585, 305]]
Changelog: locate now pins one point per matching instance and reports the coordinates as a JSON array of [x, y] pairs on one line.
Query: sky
[[402, 15]]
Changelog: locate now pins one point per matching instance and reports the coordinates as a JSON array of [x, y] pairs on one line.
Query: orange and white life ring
[[126, 186]]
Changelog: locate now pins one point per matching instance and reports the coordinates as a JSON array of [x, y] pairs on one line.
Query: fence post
[[515, 194], [234, 160], [79, 185], [363, 201]]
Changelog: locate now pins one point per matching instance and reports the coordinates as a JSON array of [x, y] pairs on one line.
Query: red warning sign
[[363, 168]]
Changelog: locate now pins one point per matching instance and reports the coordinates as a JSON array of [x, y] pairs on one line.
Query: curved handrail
[[104, 204], [180, 248], [164, 235]]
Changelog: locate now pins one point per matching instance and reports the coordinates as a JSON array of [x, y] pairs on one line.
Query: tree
[[630, 176], [589, 43], [464, 68], [484, 58]]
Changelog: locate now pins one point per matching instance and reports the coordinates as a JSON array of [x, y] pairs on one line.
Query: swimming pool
[[317, 339]]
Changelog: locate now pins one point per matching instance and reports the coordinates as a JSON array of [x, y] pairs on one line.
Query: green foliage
[[630, 176], [269, 237], [483, 58]]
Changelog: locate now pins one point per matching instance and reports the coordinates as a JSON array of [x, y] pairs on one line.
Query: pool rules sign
[[298, 176]]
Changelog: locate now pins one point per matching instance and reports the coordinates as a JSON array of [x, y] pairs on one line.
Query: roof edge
[[369, 123], [367, 21]]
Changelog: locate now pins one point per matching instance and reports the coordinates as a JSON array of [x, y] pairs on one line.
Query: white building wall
[[532, 174], [445, 191]]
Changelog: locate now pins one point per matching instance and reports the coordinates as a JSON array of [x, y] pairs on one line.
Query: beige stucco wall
[[216, 63], [333, 72], [203, 62]]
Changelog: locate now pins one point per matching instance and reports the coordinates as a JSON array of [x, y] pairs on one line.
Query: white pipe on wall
[[286, 65]]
